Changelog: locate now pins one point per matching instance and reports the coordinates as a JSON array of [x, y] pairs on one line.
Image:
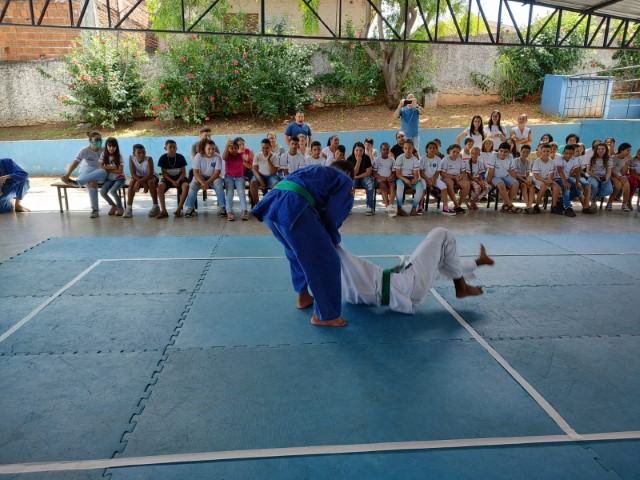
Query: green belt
[[386, 287], [296, 187]]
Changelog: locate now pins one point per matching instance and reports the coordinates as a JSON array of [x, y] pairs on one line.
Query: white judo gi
[[436, 256]]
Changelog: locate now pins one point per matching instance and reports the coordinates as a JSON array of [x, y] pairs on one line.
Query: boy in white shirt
[[314, 158], [430, 175], [265, 171], [292, 160], [383, 173], [206, 174], [465, 154], [567, 174], [405, 286], [523, 172], [502, 175], [476, 171], [543, 170]]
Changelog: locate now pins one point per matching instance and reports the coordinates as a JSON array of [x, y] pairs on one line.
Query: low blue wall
[[49, 157]]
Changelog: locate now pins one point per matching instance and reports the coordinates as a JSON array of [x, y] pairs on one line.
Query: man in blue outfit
[[305, 212], [409, 112], [14, 185], [298, 127]]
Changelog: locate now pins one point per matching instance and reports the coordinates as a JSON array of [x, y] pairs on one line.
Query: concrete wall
[[49, 157]]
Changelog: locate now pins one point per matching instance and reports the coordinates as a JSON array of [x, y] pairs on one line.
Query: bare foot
[[484, 259], [305, 300], [336, 322], [464, 290]]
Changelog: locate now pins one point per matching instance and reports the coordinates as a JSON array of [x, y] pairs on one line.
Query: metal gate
[[586, 97]]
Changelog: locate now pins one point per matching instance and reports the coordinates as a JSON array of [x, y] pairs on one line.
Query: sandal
[[515, 209], [245, 215], [22, 209], [190, 213], [162, 215], [177, 214], [230, 216]]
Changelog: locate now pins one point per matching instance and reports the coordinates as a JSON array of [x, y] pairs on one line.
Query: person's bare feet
[[336, 322], [484, 259], [464, 290], [305, 300]]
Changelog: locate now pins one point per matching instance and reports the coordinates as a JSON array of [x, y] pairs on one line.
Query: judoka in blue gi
[[14, 185], [305, 212]]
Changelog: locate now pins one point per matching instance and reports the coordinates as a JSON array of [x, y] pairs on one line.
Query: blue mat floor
[[181, 356]]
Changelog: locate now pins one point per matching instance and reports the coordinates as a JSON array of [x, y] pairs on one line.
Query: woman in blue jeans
[[362, 167], [90, 173], [599, 171]]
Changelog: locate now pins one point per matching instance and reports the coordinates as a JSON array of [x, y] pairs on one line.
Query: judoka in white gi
[[408, 284]]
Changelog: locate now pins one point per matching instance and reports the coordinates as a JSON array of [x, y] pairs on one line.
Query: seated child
[[207, 167], [430, 175], [543, 171], [523, 172], [142, 176], [465, 154], [621, 161], [407, 169], [454, 173], [234, 178], [501, 174], [174, 175], [567, 174], [314, 157], [476, 171], [384, 176], [265, 170], [112, 161]]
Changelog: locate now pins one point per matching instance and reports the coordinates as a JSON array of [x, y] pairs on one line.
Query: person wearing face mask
[[90, 173]]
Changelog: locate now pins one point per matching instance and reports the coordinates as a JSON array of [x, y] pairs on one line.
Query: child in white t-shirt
[[621, 161], [454, 173], [384, 176], [407, 170], [543, 170], [476, 172], [465, 154], [523, 175], [430, 175]]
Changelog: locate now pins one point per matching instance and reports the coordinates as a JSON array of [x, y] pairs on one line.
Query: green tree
[[520, 71]]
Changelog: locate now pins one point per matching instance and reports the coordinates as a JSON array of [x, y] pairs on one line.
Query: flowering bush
[[222, 76], [102, 74]]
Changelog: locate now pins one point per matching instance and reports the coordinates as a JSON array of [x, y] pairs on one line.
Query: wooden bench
[[62, 188]]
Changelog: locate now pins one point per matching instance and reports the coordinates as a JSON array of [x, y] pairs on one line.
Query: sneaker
[[569, 212], [128, 213], [155, 210], [536, 208], [222, 212], [402, 213], [558, 210], [113, 210], [420, 210], [446, 211], [609, 207], [625, 208], [459, 210], [589, 210], [190, 213], [94, 214], [369, 211]]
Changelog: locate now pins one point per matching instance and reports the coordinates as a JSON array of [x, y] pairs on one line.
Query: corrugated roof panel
[[622, 8]]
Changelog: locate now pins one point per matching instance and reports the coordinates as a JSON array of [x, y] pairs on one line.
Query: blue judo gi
[[309, 235], [15, 187]]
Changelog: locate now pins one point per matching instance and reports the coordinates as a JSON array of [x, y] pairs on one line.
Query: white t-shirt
[[618, 163], [452, 166], [407, 166], [501, 167], [207, 165], [89, 160], [329, 154], [520, 135], [477, 138], [263, 163], [292, 162], [543, 168], [598, 167], [635, 165], [109, 161], [383, 166], [477, 169], [430, 165], [522, 168], [493, 133], [142, 169], [464, 155], [561, 163], [309, 160]]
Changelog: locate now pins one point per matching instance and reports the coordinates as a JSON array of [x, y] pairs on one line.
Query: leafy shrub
[[103, 76], [222, 76]]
